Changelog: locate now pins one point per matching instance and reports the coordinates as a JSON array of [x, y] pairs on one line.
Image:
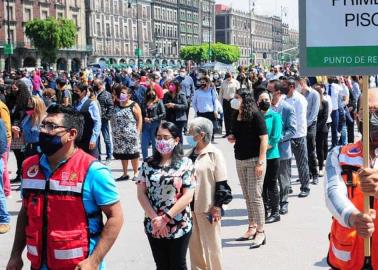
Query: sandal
[[123, 178], [250, 237], [258, 241]]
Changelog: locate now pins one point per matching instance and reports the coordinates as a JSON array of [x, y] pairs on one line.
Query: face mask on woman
[[235, 103], [165, 146], [123, 97], [264, 105], [172, 88]]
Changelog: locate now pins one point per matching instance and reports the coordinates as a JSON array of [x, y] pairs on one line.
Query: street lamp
[[138, 50], [9, 39]]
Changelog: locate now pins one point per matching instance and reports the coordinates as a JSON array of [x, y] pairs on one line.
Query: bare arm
[[144, 202], [182, 203], [15, 261], [263, 147], [139, 118]]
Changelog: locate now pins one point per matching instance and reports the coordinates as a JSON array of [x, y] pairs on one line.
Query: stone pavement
[[298, 241]]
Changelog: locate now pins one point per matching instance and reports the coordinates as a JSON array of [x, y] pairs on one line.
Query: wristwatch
[[260, 162]]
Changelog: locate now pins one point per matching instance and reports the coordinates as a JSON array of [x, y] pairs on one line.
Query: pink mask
[[165, 146], [172, 88]]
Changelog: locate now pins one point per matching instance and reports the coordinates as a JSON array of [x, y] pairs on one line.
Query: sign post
[[339, 37]]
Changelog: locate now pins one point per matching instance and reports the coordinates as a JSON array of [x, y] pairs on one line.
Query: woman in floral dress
[[165, 190], [126, 126]]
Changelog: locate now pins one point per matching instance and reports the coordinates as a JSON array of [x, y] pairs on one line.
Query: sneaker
[[107, 161], [4, 228], [321, 173]]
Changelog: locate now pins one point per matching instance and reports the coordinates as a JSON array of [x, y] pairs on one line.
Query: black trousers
[[321, 147], [350, 127], [271, 196], [227, 115], [185, 129], [211, 117], [311, 149], [170, 254], [19, 158]]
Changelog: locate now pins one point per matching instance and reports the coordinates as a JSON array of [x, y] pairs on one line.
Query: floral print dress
[[164, 188]]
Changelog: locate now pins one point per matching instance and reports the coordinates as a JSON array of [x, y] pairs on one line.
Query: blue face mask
[[191, 141]]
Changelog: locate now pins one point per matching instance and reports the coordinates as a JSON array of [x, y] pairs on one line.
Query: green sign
[[210, 52], [8, 49], [138, 52], [343, 42], [282, 57]]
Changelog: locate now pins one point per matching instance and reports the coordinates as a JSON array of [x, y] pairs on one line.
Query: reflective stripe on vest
[[341, 254], [33, 184], [66, 254], [57, 186], [32, 250]]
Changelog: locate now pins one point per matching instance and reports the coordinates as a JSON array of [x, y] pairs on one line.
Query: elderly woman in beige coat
[[212, 191]]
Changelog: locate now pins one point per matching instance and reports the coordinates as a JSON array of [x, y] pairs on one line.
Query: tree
[[224, 53], [50, 35]]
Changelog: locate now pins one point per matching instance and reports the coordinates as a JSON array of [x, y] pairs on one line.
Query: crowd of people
[[268, 115]]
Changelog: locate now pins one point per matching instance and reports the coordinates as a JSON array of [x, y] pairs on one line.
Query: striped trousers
[[299, 148]]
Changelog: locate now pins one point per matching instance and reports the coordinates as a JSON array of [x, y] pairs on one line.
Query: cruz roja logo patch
[[33, 171]]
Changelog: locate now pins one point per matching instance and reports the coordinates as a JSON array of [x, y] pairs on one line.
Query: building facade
[[189, 22], [277, 42], [117, 29], [207, 19], [262, 38], [234, 27], [24, 55], [166, 31]]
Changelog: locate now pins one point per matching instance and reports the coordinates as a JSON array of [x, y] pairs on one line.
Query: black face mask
[[75, 96], [95, 88], [50, 144], [151, 96], [264, 105]]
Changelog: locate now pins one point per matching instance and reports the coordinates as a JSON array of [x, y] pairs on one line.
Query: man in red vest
[[346, 182], [65, 192]]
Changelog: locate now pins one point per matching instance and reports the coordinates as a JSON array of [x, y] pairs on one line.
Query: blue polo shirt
[[99, 190]]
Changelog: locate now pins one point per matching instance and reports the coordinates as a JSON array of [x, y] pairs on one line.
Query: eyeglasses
[[164, 137], [49, 127]]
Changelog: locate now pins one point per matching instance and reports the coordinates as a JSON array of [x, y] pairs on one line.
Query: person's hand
[[363, 223], [15, 263], [147, 120], [369, 181], [231, 139], [87, 264], [16, 132], [216, 115], [157, 223], [163, 232], [215, 212], [92, 145], [269, 147], [259, 169]]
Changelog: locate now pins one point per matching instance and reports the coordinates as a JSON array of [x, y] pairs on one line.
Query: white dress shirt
[[299, 102], [335, 89]]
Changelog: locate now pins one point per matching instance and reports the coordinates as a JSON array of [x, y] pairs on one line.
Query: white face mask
[[235, 103], [182, 74], [216, 77]]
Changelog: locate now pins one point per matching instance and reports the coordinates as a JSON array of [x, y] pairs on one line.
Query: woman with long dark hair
[[175, 105], [165, 190], [153, 112], [249, 134]]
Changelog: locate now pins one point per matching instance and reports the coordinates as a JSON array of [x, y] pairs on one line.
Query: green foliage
[[220, 52], [50, 35]]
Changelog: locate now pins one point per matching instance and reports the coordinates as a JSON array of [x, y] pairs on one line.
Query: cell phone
[[210, 218]]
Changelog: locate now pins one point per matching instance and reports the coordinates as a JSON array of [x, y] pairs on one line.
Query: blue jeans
[[148, 136], [106, 135], [334, 126], [4, 215]]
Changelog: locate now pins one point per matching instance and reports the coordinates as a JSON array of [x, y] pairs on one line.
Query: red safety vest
[[57, 233], [346, 248]]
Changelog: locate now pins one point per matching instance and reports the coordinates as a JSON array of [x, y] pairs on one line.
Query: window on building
[[12, 37], [75, 20], [11, 15], [116, 31], [115, 7], [27, 14], [126, 30], [183, 38], [59, 15], [44, 14], [108, 31], [144, 12], [98, 29]]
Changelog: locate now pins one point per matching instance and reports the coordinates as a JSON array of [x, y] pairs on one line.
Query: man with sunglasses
[[345, 182], [65, 192]]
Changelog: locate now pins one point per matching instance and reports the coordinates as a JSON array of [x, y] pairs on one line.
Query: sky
[[269, 7]]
